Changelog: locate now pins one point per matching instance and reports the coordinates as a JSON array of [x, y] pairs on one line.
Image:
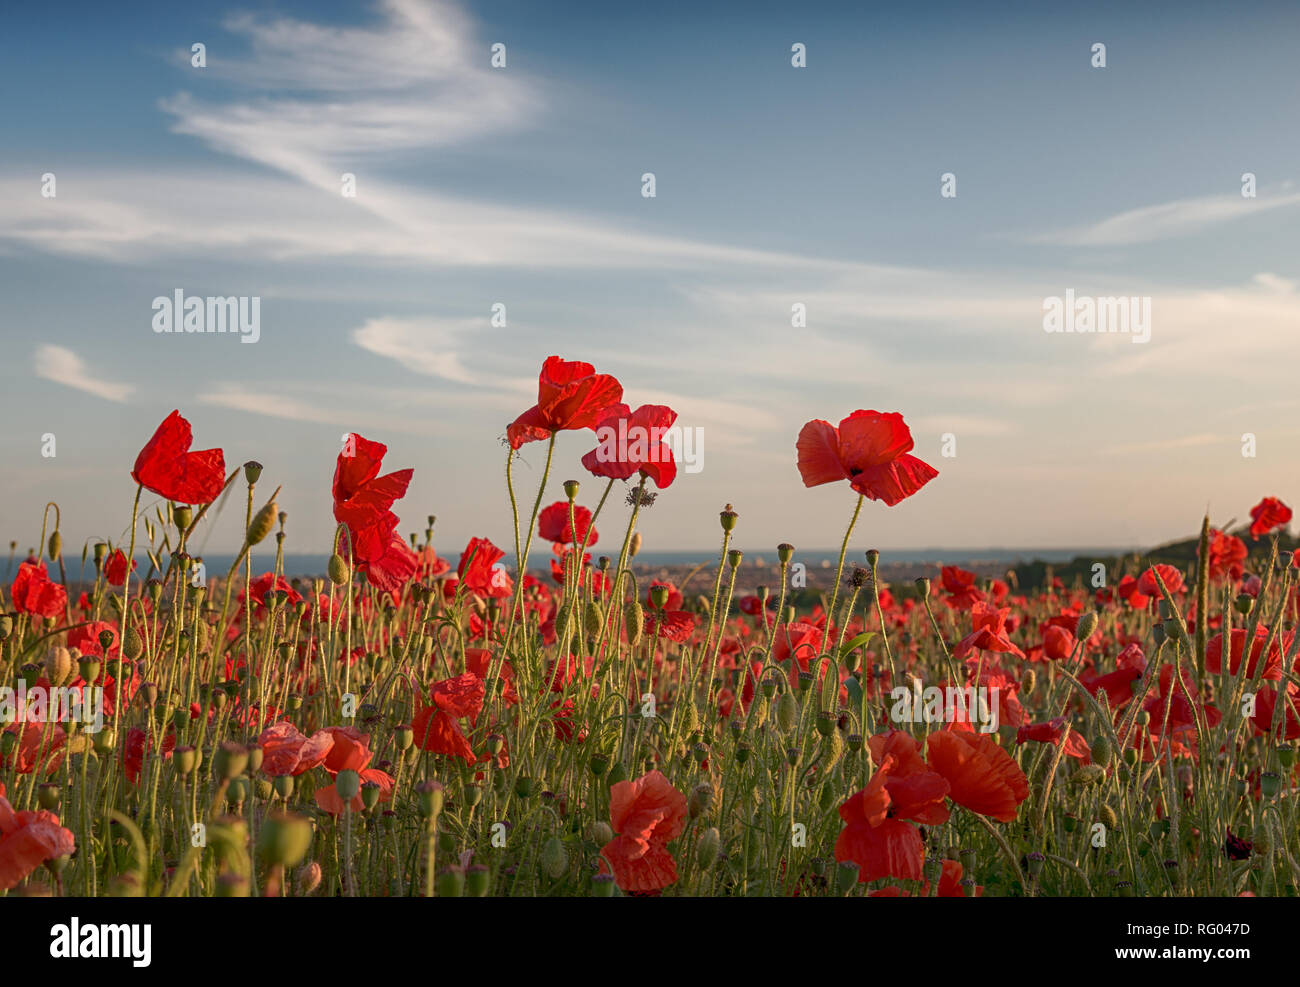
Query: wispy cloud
[[426, 346], [61, 365], [1169, 219]]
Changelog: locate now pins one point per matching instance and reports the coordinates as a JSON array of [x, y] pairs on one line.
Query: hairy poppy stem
[[839, 569]]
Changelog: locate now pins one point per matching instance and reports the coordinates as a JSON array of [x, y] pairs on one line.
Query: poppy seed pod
[[230, 760], [728, 517], [252, 472], [846, 876], [478, 881], [283, 786], [734, 557], [48, 795], [347, 783], [450, 883], [571, 489], [784, 552], [602, 886], [923, 587], [284, 839], [58, 665], [430, 796]]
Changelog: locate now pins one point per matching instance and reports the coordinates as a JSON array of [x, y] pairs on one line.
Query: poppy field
[[542, 720]]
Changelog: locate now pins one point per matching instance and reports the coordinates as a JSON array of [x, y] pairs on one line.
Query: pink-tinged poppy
[[167, 467], [28, 840], [115, 568], [570, 395], [645, 814], [632, 442], [870, 449], [34, 592], [351, 752], [287, 751], [1268, 515]]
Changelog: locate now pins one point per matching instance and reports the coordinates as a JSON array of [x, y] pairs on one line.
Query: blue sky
[[775, 185]]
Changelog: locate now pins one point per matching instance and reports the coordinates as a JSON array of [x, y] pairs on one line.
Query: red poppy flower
[[876, 836], [435, 724], [36, 750], [960, 587], [351, 752], [1268, 514], [363, 501], [1288, 725], [266, 584], [1272, 666], [115, 568], [632, 442], [981, 775], [989, 632], [33, 592], [1128, 589], [479, 572], [646, 814], [553, 525], [570, 395], [1227, 556], [1170, 576], [1058, 643], [168, 468], [27, 840], [86, 638], [870, 450], [137, 746], [1051, 732], [672, 625]]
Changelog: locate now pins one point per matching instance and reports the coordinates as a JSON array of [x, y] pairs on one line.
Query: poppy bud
[[308, 877], [1244, 604], [132, 645], [599, 833], [706, 851], [728, 517], [1101, 751], [48, 795], [283, 786], [1107, 816], [634, 545], [634, 622], [1086, 625], [338, 569], [792, 756], [554, 859], [784, 552], [1089, 774], [262, 522], [101, 550], [616, 774], [58, 665], [742, 752], [787, 712], [56, 545], [602, 886], [592, 619]]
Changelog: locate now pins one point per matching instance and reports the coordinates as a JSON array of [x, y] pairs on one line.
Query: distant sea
[[315, 565]]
